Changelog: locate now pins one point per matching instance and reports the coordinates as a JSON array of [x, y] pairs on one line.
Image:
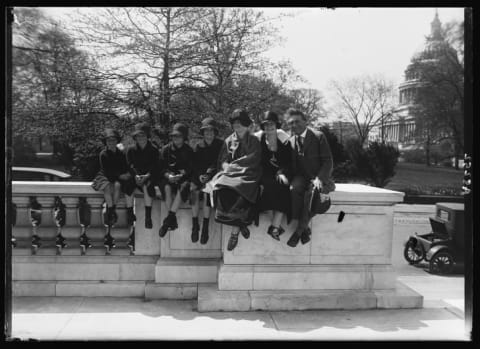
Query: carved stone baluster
[[35, 212], [84, 214], [59, 217]]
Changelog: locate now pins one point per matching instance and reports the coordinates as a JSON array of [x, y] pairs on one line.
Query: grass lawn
[[418, 178]]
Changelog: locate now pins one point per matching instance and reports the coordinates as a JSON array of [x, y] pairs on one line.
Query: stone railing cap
[[343, 193]]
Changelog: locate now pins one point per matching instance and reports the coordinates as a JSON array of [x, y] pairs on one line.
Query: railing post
[[59, 217], [109, 241], [84, 216], [35, 213]]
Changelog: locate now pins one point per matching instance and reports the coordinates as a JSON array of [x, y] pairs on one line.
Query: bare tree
[[145, 44], [310, 101], [234, 39], [367, 101], [160, 52]]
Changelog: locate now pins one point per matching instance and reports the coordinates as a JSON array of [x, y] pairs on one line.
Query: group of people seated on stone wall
[[239, 177]]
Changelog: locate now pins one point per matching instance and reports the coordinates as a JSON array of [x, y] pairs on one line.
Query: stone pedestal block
[[211, 299], [306, 277], [80, 268], [185, 270], [178, 243], [363, 237]]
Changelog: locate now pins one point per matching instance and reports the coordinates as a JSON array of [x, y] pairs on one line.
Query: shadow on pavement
[[90, 312]]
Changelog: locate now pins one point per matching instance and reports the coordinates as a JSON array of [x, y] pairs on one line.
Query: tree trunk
[[427, 150], [455, 152], [166, 117], [382, 131]]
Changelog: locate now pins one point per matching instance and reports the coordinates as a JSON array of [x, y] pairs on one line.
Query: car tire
[[413, 252], [442, 263]]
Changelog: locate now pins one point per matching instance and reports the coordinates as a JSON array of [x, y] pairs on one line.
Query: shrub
[[344, 172], [432, 190], [376, 163], [23, 152], [440, 153], [416, 156], [86, 163], [338, 152]]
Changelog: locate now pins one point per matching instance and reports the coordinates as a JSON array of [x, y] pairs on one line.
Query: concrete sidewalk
[[109, 318]]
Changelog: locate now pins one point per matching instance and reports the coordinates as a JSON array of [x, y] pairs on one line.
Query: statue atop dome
[[436, 28]]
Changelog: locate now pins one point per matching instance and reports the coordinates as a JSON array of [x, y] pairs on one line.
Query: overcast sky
[[325, 44], [328, 44]]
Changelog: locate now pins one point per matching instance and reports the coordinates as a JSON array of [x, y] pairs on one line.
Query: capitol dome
[[404, 127], [435, 45]]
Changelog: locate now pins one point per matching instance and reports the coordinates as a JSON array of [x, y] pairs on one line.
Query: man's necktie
[[300, 144]]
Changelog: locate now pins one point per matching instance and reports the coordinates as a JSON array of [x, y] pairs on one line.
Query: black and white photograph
[[238, 173]]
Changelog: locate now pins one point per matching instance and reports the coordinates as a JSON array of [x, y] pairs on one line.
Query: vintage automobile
[[38, 174], [444, 247]]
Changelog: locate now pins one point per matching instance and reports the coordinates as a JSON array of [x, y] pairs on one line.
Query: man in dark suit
[[312, 167]]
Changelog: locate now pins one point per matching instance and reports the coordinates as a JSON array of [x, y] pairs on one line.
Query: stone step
[[79, 288], [148, 290], [186, 270], [305, 277], [155, 290], [84, 268], [212, 299]]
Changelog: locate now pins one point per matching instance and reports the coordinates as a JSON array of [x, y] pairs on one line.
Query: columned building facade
[[402, 129]]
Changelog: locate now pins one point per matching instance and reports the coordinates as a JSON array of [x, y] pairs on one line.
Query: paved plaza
[[109, 318]]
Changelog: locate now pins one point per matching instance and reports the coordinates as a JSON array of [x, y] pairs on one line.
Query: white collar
[[281, 135], [304, 134]]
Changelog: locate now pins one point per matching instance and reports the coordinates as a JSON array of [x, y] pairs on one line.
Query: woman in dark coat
[[144, 165], [177, 157], [205, 167], [277, 172], [114, 176], [235, 187]]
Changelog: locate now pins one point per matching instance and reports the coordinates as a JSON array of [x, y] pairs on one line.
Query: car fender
[[431, 252], [411, 239]]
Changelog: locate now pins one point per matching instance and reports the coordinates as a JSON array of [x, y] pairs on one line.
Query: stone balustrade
[[345, 265]]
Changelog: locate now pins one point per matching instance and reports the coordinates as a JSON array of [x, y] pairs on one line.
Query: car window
[[33, 176], [28, 176]]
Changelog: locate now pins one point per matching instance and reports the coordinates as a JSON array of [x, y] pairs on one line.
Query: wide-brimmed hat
[[110, 132], [209, 123], [269, 116], [141, 128], [242, 116], [180, 129]]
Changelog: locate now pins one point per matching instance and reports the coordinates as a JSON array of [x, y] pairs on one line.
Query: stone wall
[[353, 257]]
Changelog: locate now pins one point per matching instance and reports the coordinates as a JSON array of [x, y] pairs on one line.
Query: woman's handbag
[[100, 182], [318, 202]]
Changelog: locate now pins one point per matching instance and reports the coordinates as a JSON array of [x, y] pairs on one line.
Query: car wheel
[[413, 252], [442, 263]]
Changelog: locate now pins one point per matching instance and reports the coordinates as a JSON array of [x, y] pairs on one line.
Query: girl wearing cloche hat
[[114, 176], [144, 163], [177, 157], [277, 171], [205, 167]]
